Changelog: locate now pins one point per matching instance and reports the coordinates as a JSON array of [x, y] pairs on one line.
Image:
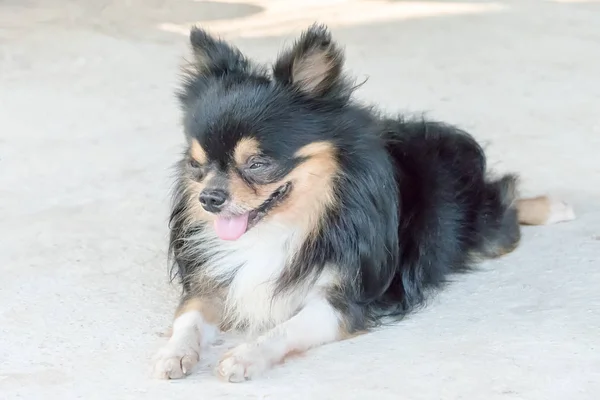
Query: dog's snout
[[213, 200]]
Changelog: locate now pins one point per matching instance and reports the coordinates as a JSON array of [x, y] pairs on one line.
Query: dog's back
[[451, 210]]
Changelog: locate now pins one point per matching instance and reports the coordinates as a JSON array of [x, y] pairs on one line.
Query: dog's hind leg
[[543, 210], [503, 212], [498, 224]]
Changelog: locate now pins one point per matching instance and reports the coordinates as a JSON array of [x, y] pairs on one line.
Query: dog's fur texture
[[304, 217]]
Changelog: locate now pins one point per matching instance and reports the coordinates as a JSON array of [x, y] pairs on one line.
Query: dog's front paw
[[243, 363], [175, 361]]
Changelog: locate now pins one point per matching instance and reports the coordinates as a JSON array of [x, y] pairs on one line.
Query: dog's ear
[[214, 56], [211, 57], [313, 65]]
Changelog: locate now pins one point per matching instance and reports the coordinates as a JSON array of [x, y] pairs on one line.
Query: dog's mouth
[[233, 227]]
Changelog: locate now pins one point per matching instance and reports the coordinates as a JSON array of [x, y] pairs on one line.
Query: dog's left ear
[[313, 65]]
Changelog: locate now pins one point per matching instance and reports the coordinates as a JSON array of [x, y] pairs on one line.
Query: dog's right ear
[[211, 57], [214, 56]]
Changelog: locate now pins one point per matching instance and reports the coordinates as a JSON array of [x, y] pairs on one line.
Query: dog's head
[[262, 145]]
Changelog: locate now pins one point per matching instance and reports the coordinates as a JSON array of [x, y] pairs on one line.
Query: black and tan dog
[[304, 218]]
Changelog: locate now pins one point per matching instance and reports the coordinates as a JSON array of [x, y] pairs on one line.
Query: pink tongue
[[231, 228]]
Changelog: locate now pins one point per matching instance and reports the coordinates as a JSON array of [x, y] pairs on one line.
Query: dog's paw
[[543, 210], [174, 361], [243, 363]]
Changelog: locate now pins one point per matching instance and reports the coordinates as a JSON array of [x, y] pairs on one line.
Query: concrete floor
[[89, 130]]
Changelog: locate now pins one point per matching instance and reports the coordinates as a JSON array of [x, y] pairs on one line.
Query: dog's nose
[[213, 200]]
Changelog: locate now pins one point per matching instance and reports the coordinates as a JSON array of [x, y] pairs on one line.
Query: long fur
[[413, 198], [381, 210]]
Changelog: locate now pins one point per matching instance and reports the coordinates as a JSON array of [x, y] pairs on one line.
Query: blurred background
[[89, 131]]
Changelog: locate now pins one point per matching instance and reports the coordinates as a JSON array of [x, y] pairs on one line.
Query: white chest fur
[[253, 264]]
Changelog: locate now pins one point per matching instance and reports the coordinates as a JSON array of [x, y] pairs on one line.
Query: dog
[[302, 217]]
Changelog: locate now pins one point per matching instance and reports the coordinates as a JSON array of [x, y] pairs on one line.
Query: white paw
[[559, 211], [242, 363], [175, 360]]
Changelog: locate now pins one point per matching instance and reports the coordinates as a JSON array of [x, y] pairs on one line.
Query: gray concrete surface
[[89, 130]]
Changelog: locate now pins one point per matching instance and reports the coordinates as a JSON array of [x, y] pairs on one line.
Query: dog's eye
[[194, 164], [260, 169], [196, 169], [256, 165]]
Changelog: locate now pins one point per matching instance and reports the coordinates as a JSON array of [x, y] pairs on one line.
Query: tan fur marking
[[311, 70], [494, 252], [314, 149], [502, 251], [345, 335], [534, 211], [544, 211], [244, 149], [509, 249], [211, 309], [197, 152], [312, 188], [244, 196]]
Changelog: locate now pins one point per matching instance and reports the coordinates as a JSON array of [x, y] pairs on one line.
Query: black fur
[[414, 200]]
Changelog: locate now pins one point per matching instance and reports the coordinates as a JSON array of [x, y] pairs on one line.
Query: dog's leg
[[315, 324], [543, 210], [194, 327]]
